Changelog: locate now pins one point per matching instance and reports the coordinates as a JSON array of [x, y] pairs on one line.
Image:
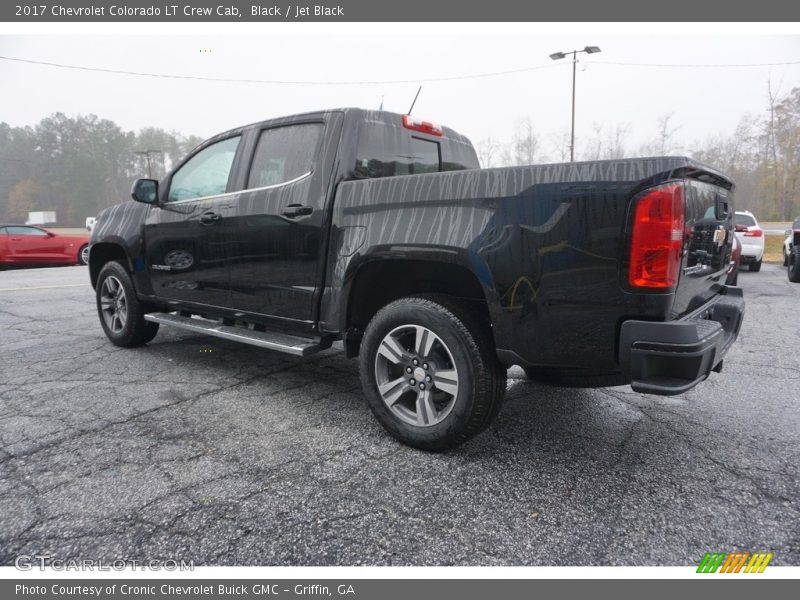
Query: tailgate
[[708, 240]]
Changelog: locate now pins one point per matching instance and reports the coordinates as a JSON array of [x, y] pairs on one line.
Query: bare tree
[[615, 142], [560, 144], [524, 146], [666, 132], [594, 146], [606, 143], [488, 150]]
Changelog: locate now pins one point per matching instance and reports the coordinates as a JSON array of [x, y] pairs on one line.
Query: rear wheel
[[83, 255], [121, 313], [430, 373], [794, 265], [755, 266]]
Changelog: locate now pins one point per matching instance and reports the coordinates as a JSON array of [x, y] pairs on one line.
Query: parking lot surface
[[199, 449]]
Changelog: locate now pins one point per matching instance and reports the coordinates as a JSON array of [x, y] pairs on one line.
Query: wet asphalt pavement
[[200, 449]]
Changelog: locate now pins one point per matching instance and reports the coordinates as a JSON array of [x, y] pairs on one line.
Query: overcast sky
[[705, 101]]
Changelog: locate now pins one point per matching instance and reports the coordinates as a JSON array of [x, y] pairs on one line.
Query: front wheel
[[121, 313], [794, 265], [430, 373]]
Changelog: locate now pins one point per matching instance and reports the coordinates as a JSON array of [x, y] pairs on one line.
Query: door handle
[[297, 210], [16, 239], [209, 218]]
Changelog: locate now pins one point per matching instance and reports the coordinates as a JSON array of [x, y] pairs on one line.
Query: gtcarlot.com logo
[[734, 562], [46, 561]]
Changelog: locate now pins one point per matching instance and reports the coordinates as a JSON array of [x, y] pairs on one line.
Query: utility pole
[[146, 154], [560, 55]]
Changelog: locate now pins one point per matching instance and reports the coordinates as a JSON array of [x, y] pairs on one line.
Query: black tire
[[579, 378], [466, 344], [794, 266], [83, 256], [133, 330], [755, 266], [785, 257]]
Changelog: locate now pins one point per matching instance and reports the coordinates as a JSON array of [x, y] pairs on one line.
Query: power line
[[387, 81], [692, 66], [275, 81]]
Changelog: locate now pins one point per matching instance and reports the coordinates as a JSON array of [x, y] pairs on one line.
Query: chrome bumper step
[[282, 342]]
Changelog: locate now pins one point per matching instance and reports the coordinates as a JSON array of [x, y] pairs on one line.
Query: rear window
[[385, 150], [745, 220]]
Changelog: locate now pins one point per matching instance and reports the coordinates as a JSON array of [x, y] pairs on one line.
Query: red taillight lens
[[756, 232], [657, 238], [410, 122]]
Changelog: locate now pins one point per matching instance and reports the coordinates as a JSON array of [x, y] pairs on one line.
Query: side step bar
[[282, 342]]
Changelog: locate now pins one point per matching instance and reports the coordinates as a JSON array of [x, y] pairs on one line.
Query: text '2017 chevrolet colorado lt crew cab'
[[382, 231]]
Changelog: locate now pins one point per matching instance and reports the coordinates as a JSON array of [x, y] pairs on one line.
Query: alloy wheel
[[113, 304], [416, 375]]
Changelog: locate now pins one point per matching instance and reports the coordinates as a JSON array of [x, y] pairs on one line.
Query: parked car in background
[[26, 245], [793, 255], [90, 221], [751, 237], [736, 258]]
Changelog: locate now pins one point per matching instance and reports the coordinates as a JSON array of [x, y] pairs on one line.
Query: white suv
[[751, 236]]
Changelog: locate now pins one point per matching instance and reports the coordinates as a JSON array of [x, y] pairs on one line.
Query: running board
[[282, 342]]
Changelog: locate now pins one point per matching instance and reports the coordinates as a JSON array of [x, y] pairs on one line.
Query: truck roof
[[370, 116]]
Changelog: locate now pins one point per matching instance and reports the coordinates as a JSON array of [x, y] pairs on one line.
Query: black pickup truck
[[381, 231]]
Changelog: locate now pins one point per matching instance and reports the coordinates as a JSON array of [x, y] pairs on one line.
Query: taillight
[[755, 232], [410, 122], [657, 237]]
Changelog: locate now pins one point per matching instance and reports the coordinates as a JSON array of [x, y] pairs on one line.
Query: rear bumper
[[669, 358], [752, 252]]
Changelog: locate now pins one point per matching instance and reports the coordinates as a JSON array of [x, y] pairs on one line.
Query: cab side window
[[284, 154], [206, 173], [20, 230]]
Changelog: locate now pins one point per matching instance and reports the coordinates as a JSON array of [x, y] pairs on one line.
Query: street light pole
[[560, 55], [572, 130]]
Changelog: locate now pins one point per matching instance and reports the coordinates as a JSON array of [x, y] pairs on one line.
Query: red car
[[25, 245]]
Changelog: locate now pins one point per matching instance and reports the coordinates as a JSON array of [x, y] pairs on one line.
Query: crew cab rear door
[[277, 223]]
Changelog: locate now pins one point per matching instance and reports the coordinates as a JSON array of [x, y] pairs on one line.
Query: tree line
[[79, 165], [762, 154]]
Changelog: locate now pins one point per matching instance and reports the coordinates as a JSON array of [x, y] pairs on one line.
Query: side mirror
[[787, 232], [145, 191]]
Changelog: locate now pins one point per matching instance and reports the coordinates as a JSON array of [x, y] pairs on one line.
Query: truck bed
[[549, 244]]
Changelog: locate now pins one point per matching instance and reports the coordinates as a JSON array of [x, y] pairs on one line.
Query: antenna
[[415, 100]]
